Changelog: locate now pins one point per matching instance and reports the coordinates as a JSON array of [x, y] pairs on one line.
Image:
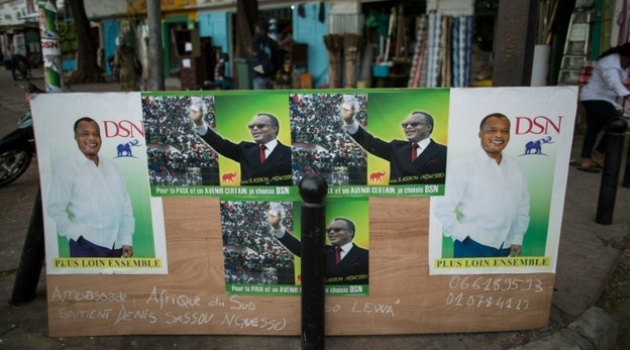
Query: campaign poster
[[209, 143], [538, 146], [250, 120], [388, 112], [84, 207], [262, 247], [204, 144]]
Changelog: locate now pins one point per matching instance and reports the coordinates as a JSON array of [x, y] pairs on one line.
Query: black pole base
[[610, 176], [313, 190]]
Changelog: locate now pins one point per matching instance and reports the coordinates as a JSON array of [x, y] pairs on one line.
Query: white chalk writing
[[495, 284], [164, 297]]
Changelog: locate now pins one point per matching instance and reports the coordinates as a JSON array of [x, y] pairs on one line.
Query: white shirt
[[345, 249], [90, 201], [486, 201], [606, 81], [269, 146], [423, 144]]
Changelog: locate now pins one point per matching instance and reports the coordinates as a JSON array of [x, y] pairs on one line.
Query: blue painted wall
[[309, 30], [216, 25], [110, 33]]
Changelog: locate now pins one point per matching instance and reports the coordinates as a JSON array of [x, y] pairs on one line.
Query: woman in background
[[602, 98]]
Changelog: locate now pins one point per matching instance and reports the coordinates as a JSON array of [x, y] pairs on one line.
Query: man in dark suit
[[265, 161], [345, 262], [419, 160]]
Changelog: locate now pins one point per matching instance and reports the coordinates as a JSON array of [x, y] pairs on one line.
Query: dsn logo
[[122, 128], [540, 128], [540, 125]]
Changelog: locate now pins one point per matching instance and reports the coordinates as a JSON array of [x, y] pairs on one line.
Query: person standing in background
[[602, 98], [124, 59], [266, 57]]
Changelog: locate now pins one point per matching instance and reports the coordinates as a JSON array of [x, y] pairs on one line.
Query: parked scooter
[[17, 148]]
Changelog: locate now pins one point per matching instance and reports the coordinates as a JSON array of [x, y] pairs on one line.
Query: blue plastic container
[[380, 71]]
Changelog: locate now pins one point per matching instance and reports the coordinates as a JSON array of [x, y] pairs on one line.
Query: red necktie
[[261, 153], [337, 255], [414, 152]]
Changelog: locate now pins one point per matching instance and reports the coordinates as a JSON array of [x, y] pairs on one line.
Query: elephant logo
[[229, 177], [124, 149], [377, 176], [535, 147]]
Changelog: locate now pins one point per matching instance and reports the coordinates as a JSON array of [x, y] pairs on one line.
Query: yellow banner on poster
[[490, 263], [99, 263]]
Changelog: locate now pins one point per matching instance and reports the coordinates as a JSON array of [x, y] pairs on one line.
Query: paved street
[[588, 257]]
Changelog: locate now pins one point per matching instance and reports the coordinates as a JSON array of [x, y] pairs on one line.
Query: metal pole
[[610, 176], [313, 190], [154, 16]]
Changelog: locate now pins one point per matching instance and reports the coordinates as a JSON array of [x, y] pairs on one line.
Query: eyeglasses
[[259, 126], [336, 229], [413, 124]]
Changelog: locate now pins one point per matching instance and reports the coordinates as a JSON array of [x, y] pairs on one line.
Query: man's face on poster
[[88, 138], [495, 135], [262, 129], [339, 233], [416, 127]]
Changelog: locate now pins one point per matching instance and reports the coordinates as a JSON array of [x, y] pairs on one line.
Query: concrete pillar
[[514, 40]]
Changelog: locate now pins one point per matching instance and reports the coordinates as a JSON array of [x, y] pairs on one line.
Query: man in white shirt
[[88, 199], [485, 209]]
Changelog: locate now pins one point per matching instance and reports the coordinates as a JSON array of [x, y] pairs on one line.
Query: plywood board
[[191, 298]]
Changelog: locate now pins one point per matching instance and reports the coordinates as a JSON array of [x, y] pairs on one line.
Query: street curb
[[594, 329]]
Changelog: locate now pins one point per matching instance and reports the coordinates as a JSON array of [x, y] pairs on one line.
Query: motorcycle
[[17, 148]]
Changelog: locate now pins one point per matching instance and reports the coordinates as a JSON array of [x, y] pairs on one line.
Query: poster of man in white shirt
[[506, 177], [99, 217]]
